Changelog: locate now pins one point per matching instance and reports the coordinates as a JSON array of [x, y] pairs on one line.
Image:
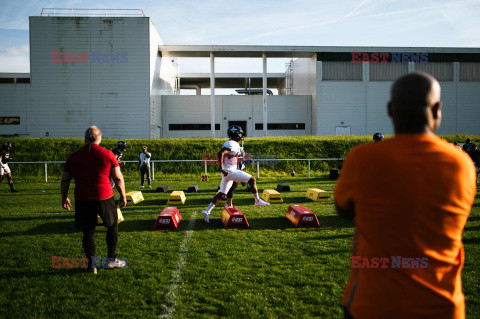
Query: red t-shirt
[[90, 167]]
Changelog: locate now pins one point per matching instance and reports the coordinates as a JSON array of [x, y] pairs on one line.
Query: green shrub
[[58, 149]]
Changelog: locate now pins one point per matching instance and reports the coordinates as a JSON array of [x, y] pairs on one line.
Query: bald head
[[415, 105], [93, 135]]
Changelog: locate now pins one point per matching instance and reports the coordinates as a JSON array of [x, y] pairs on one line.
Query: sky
[[411, 23]]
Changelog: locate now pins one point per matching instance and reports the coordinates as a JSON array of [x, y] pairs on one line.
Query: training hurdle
[[317, 194], [162, 189], [169, 218], [233, 218], [101, 225], [301, 216], [272, 196], [283, 188], [134, 197], [176, 198], [192, 189]]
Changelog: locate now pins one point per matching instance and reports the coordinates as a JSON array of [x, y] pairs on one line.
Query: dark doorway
[[242, 124]]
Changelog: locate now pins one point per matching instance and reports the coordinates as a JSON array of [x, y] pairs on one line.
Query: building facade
[[114, 72]]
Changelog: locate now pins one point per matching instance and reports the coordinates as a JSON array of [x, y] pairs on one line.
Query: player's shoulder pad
[[229, 144]]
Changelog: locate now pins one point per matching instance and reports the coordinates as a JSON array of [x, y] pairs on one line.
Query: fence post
[[153, 170], [308, 168], [46, 174], [258, 169], [205, 167]]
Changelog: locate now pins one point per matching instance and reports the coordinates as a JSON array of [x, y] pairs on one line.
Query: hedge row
[[58, 149]]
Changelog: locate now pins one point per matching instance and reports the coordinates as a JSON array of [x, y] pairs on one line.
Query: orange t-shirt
[[411, 195]]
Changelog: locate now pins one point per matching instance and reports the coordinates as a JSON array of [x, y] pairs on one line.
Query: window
[[10, 120], [442, 71], [14, 80], [469, 71], [281, 126], [192, 127], [387, 71], [341, 71]]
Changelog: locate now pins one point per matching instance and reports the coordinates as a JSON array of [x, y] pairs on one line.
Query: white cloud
[[16, 59]]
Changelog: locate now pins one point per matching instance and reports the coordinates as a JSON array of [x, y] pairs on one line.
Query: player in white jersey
[[228, 159]]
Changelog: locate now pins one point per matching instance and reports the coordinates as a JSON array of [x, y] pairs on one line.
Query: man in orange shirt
[[410, 197]]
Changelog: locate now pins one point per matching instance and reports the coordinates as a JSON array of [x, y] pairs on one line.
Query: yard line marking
[[172, 291]]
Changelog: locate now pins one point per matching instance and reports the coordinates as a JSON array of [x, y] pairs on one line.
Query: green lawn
[[272, 270]]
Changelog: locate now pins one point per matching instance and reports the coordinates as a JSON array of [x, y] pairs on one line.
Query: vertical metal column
[[153, 170], [46, 174], [258, 169], [308, 168], [212, 94], [265, 104]]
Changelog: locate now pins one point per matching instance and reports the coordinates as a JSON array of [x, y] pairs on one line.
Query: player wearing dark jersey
[[475, 156], [467, 146], [118, 152], [4, 169]]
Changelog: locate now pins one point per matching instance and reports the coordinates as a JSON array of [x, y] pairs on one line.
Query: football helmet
[[122, 145], [377, 137], [7, 146], [235, 133]]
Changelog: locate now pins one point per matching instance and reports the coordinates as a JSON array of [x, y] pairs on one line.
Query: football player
[[4, 169], [228, 159], [240, 166], [118, 152]]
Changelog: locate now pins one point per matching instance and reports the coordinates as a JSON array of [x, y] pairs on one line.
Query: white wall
[[162, 81], [187, 109], [362, 105], [13, 104], [65, 98], [305, 83]]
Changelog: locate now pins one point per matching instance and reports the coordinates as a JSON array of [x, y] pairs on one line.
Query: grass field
[[271, 270]]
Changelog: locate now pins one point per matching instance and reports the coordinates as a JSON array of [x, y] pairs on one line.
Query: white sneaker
[[149, 186], [141, 186], [117, 263], [92, 270], [261, 202], [206, 216]]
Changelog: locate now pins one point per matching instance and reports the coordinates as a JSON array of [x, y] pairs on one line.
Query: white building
[[114, 72]]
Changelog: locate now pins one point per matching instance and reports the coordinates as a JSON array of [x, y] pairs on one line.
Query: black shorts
[[86, 212]]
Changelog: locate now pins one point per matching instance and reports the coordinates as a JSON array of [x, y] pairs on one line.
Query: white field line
[[172, 292]]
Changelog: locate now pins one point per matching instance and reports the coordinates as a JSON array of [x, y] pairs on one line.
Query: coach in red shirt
[[91, 166]]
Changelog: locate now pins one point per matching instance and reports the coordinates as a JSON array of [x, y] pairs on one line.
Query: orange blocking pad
[[233, 218], [101, 226], [301, 217], [169, 218]]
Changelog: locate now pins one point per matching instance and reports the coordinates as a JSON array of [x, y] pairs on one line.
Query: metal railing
[[204, 163], [72, 12]]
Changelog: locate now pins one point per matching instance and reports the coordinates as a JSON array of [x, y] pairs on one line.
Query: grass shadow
[[46, 229], [136, 225], [60, 215]]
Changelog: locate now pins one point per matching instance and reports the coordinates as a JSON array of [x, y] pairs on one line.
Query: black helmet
[[378, 137], [7, 145], [122, 145], [234, 132]]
